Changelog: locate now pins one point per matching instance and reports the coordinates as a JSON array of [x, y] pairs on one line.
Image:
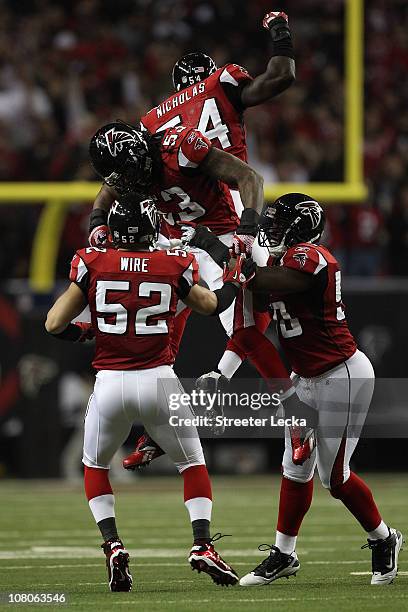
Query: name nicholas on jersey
[[134, 264], [179, 99]]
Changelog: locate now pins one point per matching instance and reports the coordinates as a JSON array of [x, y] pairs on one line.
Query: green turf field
[[48, 543]]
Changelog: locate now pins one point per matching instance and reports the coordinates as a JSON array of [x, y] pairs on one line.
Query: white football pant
[[342, 398], [122, 397]]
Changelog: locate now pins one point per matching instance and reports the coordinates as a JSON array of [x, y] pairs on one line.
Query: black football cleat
[[146, 451], [211, 384], [204, 558], [277, 565], [117, 563], [384, 557]]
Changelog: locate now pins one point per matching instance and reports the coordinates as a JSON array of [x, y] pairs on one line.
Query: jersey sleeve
[[79, 273], [188, 278], [233, 79], [304, 258], [193, 149]]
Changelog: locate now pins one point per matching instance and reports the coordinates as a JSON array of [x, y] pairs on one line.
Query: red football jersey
[[184, 193], [132, 297], [213, 106], [312, 326]]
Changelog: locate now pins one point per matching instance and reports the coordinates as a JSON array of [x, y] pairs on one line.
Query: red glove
[[242, 244], [99, 236], [269, 17], [87, 332], [242, 273], [245, 233]]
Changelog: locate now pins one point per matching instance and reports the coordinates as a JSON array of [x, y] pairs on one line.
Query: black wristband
[[210, 243], [97, 217], [281, 37], [225, 296], [72, 333], [249, 222]]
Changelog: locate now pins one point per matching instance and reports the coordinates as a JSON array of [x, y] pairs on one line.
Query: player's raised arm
[[225, 167], [280, 72]]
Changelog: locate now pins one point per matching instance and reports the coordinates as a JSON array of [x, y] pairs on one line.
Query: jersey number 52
[[120, 324]]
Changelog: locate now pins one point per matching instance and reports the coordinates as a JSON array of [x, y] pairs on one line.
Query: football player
[[182, 160], [132, 292], [214, 100], [303, 284], [302, 288]]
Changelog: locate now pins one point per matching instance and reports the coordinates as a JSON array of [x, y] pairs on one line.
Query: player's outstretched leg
[[101, 502], [198, 500]]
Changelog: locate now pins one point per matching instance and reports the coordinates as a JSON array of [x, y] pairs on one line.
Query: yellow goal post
[[58, 196]]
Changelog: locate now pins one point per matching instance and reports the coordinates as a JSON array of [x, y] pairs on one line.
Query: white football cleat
[[277, 565], [384, 558]]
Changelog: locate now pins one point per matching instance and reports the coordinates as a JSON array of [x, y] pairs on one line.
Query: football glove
[[241, 273], [203, 238], [188, 232], [99, 236], [245, 234], [98, 228], [270, 17], [87, 331]]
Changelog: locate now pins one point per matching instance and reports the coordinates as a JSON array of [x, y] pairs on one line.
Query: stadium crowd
[[68, 66]]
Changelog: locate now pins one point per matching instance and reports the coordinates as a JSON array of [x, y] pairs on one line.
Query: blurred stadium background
[[68, 66]]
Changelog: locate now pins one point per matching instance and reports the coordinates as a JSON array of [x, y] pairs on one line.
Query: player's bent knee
[[297, 475], [92, 463], [185, 465]]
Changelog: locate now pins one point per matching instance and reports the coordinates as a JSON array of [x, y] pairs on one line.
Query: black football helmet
[[192, 68], [120, 154], [133, 220], [291, 219]]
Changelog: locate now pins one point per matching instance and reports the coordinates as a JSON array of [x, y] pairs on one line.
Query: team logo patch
[[115, 140], [192, 137], [312, 209], [200, 144], [300, 258]]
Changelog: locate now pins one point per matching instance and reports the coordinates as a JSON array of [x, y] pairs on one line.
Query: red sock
[[178, 330], [357, 497], [196, 482], [294, 501], [96, 482], [263, 354], [232, 346]]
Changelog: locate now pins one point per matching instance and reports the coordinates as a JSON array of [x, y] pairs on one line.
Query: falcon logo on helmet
[[123, 157], [115, 140], [292, 219], [312, 209]]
